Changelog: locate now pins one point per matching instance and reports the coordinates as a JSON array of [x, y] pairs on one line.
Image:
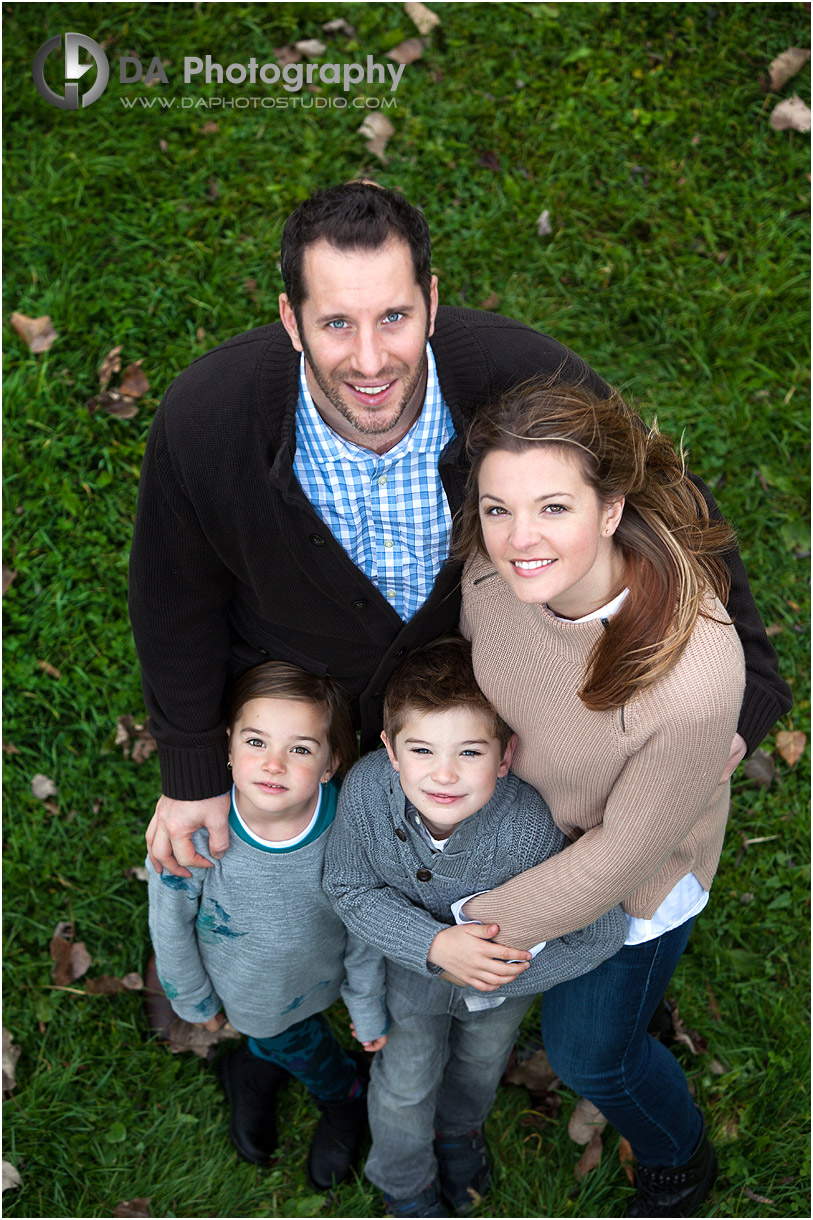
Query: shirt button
[[382, 481], [391, 594], [401, 834], [423, 874], [388, 543], [359, 604]]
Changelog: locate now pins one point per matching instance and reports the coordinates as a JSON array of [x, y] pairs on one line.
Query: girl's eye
[[255, 741], [301, 750]]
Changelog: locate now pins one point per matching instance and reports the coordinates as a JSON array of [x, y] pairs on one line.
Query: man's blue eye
[[394, 316], [337, 324]]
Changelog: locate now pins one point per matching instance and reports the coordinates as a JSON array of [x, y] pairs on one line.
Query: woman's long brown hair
[[672, 548]]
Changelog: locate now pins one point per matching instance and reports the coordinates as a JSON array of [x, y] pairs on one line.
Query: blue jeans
[[309, 1051], [438, 1072], [595, 1033]]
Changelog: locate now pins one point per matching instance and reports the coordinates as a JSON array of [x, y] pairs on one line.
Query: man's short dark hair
[[353, 216], [438, 678]]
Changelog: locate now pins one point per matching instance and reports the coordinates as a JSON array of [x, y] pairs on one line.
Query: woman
[[593, 600]]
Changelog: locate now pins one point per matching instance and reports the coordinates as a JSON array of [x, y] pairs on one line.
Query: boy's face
[[449, 763]]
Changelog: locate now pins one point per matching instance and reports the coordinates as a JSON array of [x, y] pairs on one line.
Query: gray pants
[[438, 1073]]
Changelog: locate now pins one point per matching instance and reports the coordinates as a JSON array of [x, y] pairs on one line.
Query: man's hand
[[468, 953], [169, 834], [739, 748]]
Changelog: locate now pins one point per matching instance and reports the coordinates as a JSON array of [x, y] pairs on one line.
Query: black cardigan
[[231, 565]]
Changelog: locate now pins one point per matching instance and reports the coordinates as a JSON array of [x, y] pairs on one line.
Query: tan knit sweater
[[638, 788]]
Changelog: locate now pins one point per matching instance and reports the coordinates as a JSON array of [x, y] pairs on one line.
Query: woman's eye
[[494, 511], [553, 510]]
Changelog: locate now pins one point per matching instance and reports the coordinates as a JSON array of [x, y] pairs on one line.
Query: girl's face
[[279, 752], [546, 531]]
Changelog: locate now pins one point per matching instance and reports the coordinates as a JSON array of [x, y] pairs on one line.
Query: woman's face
[[546, 531]]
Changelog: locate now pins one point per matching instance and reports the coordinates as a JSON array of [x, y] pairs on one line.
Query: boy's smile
[[449, 762]]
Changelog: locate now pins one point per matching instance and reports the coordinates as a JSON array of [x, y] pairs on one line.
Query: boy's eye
[[470, 753], [419, 750]]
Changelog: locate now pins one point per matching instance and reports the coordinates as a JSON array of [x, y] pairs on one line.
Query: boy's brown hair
[[437, 678], [279, 680]]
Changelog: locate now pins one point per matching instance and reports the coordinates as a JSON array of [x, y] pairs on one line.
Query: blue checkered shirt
[[389, 511]]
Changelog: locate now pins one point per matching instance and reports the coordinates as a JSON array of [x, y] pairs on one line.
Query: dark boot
[[427, 1203], [336, 1141], [251, 1085], [675, 1192], [465, 1170]]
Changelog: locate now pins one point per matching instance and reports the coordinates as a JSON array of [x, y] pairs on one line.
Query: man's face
[[363, 328]]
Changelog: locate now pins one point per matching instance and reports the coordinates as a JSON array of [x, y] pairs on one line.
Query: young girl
[[255, 936]]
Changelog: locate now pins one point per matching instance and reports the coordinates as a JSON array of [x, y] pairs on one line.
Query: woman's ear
[[613, 514], [390, 750]]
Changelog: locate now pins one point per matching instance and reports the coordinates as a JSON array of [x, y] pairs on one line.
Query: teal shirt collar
[[324, 818]]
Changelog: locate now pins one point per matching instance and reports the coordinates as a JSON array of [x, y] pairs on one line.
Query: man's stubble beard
[[332, 389]]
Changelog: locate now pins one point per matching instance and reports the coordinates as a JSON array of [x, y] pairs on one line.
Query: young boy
[[420, 827]]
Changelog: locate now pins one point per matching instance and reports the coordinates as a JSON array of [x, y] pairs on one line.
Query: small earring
[[228, 764]]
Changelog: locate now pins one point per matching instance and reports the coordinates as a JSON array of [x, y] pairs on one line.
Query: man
[[298, 491]]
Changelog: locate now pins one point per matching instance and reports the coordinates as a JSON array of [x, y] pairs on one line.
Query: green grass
[[678, 267]]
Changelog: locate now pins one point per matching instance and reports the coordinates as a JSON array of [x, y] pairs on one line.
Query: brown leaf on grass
[[760, 769], [9, 747], [8, 577], [627, 1157], [589, 1158], [249, 285], [11, 1177], [71, 959], [138, 873], [715, 1011], [535, 1073], [11, 1054], [378, 130], [792, 114], [716, 1068], [43, 787], [791, 746], [139, 1208], [749, 1194], [681, 1033], [781, 69], [110, 365], [774, 630], [108, 984], [585, 1121], [49, 669], [38, 333], [114, 403], [212, 188], [135, 739], [162, 144], [287, 55], [407, 51], [209, 127], [490, 302], [200, 334], [544, 228], [339, 26], [133, 381], [489, 160], [422, 16], [186, 1037], [311, 48]]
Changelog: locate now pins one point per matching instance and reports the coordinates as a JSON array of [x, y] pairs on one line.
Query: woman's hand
[[739, 749], [468, 953]]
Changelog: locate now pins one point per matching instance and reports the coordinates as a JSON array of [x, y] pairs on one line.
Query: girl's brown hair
[[673, 549], [279, 680]]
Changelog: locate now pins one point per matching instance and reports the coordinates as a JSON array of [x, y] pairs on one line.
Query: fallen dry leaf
[[38, 333], [407, 51], [133, 381], [71, 960], [249, 285], [544, 228], [714, 1007], [311, 48], [784, 67], [139, 873], [110, 365], [114, 403], [590, 1157], [162, 144], [535, 1073], [8, 577], [9, 747], [774, 630], [378, 129], [339, 26], [209, 127], [716, 1068], [136, 740], [186, 1037], [43, 787], [108, 984], [749, 1194], [287, 55], [133, 1207], [49, 669], [627, 1157], [11, 1054], [585, 1121], [791, 114], [491, 301], [791, 746], [212, 188], [200, 334], [422, 16], [760, 769], [11, 1177]]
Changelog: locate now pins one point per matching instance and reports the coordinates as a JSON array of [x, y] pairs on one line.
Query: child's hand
[[214, 1023], [467, 952], [376, 1043]]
